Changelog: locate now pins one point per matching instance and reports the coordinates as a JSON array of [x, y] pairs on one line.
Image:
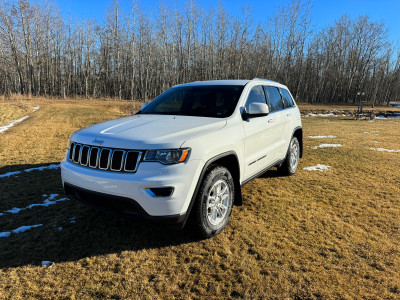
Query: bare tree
[[137, 55]]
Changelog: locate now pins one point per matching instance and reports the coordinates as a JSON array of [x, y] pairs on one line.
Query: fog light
[[160, 192]]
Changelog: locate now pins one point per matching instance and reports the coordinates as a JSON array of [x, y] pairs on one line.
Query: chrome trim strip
[[138, 160], [80, 154], [72, 150]]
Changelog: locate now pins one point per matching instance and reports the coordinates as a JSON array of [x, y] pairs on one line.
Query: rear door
[[281, 119], [289, 114]]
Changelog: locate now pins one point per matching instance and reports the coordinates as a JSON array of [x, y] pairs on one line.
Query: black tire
[[210, 219], [291, 162]]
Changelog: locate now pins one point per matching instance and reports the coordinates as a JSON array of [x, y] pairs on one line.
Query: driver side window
[[256, 95]]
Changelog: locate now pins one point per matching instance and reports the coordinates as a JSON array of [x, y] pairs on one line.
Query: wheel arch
[[298, 133], [228, 160]]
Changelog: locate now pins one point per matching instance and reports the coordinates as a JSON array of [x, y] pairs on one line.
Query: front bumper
[[117, 205], [126, 193]]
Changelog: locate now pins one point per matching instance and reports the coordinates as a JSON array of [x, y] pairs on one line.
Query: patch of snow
[[386, 150], [388, 118], [25, 228], [327, 146], [10, 174], [47, 202], [321, 115], [5, 234], [73, 220], [19, 230], [318, 167], [322, 137], [59, 228], [49, 167], [5, 127], [14, 210]]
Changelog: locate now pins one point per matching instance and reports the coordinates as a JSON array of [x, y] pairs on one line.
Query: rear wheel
[[289, 166], [214, 202]]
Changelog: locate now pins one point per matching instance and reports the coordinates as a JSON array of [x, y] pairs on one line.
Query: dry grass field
[[329, 234]]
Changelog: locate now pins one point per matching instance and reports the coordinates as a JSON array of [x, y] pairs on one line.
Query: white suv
[[187, 152]]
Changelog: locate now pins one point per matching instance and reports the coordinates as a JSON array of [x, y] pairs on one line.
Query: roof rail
[[255, 78]]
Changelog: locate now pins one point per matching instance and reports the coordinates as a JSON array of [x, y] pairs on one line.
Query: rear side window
[[274, 98], [287, 99], [256, 96]]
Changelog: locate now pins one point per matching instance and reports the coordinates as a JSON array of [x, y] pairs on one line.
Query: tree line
[[135, 54]]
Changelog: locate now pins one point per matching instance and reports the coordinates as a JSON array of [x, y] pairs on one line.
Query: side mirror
[[144, 105], [256, 110]]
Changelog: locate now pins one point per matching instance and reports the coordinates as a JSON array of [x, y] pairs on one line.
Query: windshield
[[215, 101]]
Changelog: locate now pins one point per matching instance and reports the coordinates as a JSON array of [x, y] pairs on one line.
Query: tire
[[291, 162], [214, 202]]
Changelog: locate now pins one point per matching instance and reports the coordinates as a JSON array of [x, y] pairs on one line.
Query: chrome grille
[[118, 160]]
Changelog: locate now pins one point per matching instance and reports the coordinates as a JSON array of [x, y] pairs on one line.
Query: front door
[[262, 136]]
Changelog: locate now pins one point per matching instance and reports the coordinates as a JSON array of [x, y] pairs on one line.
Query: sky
[[323, 12]]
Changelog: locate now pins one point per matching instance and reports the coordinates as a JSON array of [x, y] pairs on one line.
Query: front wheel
[[289, 165], [214, 202]]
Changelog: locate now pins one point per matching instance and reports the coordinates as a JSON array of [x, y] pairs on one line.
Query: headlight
[[167, 157]]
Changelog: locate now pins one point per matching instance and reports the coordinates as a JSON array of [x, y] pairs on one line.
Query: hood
[[147, 131]]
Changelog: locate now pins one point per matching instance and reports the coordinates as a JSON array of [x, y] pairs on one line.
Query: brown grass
[[13, 111], [332, 234]]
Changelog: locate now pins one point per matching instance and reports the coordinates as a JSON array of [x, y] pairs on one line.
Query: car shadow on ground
[[272, 173], [69, 230]]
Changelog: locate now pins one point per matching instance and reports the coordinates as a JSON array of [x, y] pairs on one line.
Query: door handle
[[270, 121], [289, 114]]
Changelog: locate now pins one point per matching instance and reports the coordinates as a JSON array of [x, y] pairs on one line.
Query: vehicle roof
[[226, 82]]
